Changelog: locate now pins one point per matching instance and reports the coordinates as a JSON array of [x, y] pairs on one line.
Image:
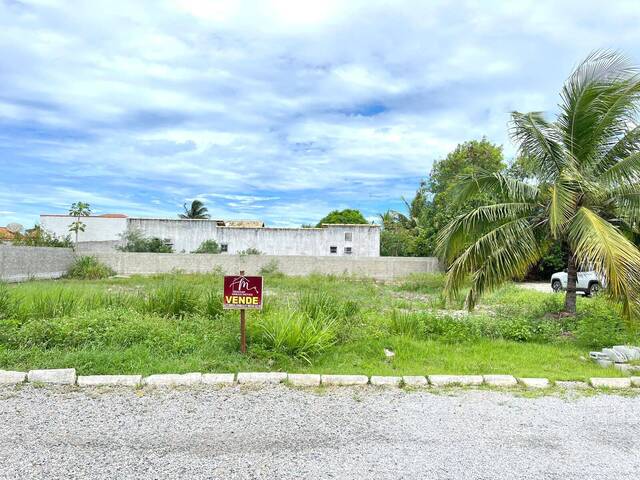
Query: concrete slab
[[218, 378], [173, 379], [9, 377], [571, 384], [415, 381], [383, 381], [535, 382], [111, 380], [344, 379], [450, 380], [261, 377], [59, 376], [599, 382], [304, 379], [500, 380]]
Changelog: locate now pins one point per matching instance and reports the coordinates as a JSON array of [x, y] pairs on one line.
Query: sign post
[[240, 293]]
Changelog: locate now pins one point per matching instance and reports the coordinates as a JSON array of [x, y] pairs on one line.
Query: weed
[[89, 268], [172, 300]]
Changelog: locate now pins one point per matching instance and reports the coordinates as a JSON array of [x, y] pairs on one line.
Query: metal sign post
[[242, 293]]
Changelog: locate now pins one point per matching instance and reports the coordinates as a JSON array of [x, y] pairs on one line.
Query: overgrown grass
[[317, 323], [89, 268]]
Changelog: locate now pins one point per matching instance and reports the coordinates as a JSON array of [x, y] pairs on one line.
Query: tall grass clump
[[213, 305], [407, 324], [294, 333], [423, 283], [172, 299], [318, 304], [89, 268], [54, 303]]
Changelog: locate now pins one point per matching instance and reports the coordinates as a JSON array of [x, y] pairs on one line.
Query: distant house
[[6, 235], [105, 232]]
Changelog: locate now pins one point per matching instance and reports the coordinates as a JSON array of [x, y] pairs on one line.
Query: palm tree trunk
[[572, 279]]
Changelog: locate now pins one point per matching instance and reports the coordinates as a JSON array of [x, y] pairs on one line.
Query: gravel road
[[278, 432]]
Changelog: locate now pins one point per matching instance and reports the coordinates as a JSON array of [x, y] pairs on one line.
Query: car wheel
[[593, 289], [556, 286]]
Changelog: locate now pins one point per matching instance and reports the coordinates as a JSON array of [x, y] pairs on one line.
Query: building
[[105, 232]]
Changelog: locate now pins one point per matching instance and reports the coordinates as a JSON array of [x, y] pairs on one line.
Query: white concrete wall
[[19, 264], [380, 268], [98, 229], [187, 235]]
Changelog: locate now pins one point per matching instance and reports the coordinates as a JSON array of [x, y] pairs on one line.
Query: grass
[[330, 324]]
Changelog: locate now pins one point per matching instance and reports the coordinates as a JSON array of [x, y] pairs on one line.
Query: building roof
[[6, 234]]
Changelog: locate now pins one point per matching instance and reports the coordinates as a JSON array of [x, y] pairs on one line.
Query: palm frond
[[562, 205], [600, 246], [453, 238], [625, 171], [494, 183]]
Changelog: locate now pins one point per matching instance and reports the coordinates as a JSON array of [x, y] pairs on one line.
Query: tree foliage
[[347, 216], [196, 210], [585, 192]]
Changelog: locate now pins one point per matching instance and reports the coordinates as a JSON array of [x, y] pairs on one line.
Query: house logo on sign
[[242, 292]]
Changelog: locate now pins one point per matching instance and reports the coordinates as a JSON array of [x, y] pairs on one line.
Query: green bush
[[250, 251], [89, 268], [294, 333], [271, 269], [135, 241], [208, 246], [37, 237], [172, 300], [601, 325], [451, 329]]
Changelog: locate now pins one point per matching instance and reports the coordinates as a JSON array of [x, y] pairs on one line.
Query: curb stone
[[218, 378], [500, 380], [535, 382], [635, 381], [111, 380], [451, 380], [415, 381], [344, 379], [58, 376], [8, 377], [382, 381], [571, 384], [173, 379], [598, 382], [261, 377], [304, 379]]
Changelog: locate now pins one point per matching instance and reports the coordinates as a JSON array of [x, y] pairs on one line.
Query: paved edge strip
[[67, 376]]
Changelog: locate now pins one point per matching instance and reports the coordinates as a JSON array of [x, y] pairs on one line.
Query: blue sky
[[280, 110]]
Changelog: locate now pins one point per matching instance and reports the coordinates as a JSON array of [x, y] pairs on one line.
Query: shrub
[[600, 326], [172, 300], [452, 329], [294, 333], [208, 246], [135, 241], [250, 251], [271, 269], [89, 268], [37, 237]]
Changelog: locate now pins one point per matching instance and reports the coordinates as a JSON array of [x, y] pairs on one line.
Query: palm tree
[[196, 210], [586, 193]]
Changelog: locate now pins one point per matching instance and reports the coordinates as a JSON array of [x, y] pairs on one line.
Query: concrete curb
[[67, 376]]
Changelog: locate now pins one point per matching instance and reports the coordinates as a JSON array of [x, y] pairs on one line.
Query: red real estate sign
[[242, 292]]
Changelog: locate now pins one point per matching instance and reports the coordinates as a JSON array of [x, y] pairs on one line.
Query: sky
[[276, 110]]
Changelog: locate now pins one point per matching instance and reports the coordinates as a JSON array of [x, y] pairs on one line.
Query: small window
[[348, 237], [333, 249], [347, 250], [224, 247]]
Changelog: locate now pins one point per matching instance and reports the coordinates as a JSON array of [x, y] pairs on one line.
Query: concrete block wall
[[18, 264], [381, 268]]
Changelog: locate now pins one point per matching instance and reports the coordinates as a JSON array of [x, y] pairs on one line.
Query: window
[[333, 249], [348, 236], [347, 250], [224, 247]]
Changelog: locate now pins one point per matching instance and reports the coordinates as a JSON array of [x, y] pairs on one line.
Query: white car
[[588, 282]]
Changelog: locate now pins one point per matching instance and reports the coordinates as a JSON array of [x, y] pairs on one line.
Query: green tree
[[196, 210], [346, 216], [79, 209], [586, 192]]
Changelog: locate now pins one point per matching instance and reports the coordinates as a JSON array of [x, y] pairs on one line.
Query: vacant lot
[[175, 323]]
